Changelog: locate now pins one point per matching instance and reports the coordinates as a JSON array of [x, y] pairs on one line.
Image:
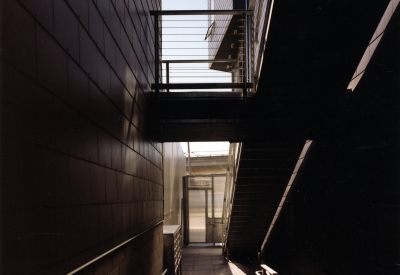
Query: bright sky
[[184, 5], [206, 148], [197, 148], [184, 39]]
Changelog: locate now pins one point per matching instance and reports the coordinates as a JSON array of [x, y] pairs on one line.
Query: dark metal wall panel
[[16, 50], [347, 197], [52, 72], [78, 171], [66, 28], [97, 183]]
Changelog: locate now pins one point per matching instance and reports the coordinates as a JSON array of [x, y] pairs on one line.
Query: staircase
[[260, 173]]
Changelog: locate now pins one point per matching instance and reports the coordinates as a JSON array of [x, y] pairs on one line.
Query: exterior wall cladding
[[221, 22], [78, 174], [174, 170]]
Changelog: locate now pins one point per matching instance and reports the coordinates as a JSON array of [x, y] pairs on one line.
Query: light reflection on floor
[[235, 270], [200, 259]]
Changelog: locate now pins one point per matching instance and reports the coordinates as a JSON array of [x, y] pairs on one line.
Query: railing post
[[167, 67], [157, 54], [244, 56], [232, 74], [251, 48]]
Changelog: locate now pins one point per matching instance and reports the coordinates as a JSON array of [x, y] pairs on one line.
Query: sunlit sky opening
[[183, 38], [205, 149], [184, 5], [197, 148]]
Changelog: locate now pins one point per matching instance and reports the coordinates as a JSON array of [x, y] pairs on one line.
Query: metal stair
[[259, 179]]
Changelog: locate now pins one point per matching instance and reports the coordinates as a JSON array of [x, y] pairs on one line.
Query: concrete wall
[[221, 23], [207, 165], [174, 171], [78, 175]]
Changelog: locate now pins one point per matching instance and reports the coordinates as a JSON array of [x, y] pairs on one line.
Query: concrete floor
[[200, 259]]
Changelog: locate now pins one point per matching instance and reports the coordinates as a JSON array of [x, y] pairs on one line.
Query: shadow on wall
[[78, 174]]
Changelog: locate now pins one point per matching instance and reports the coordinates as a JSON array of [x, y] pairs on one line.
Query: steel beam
[[194, 86], [200, 61], [199, 12]]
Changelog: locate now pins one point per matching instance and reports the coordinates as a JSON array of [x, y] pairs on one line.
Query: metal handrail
[[200, 61], [200, 85], [264, 28], [113, 249], [238, 67], [225, 210], [199, 12], [169, 86], [233, 163]]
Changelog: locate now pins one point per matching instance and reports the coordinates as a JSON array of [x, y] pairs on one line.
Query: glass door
[[218, 200], [205, 197], [197, 216]]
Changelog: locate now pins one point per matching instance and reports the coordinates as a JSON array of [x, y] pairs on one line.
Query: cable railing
[[194, 55], [261, 19], [233, 164]]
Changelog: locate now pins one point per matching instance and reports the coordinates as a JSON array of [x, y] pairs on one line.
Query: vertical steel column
[[232, 74], [244, 56], [157, 54], [167, 67], [250, 35], [190, 168], [212, 208]]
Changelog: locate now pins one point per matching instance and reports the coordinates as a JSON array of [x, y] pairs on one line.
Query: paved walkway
[[204, 259]]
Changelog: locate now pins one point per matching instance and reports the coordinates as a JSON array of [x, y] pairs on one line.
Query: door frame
[[185, 203]]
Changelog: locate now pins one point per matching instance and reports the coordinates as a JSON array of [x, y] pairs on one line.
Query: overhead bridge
[[203, 89], [301, 94], [206, 80], [218, 116]]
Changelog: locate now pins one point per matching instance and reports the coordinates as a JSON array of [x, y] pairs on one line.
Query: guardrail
[[76, 270], [191, 54], [261, 21], [233, 164]]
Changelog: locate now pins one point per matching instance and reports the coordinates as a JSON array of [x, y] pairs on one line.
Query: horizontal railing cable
[[200, 12], [188, 37]]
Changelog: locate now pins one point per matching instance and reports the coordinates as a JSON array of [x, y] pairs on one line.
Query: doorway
[[204, 196]]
